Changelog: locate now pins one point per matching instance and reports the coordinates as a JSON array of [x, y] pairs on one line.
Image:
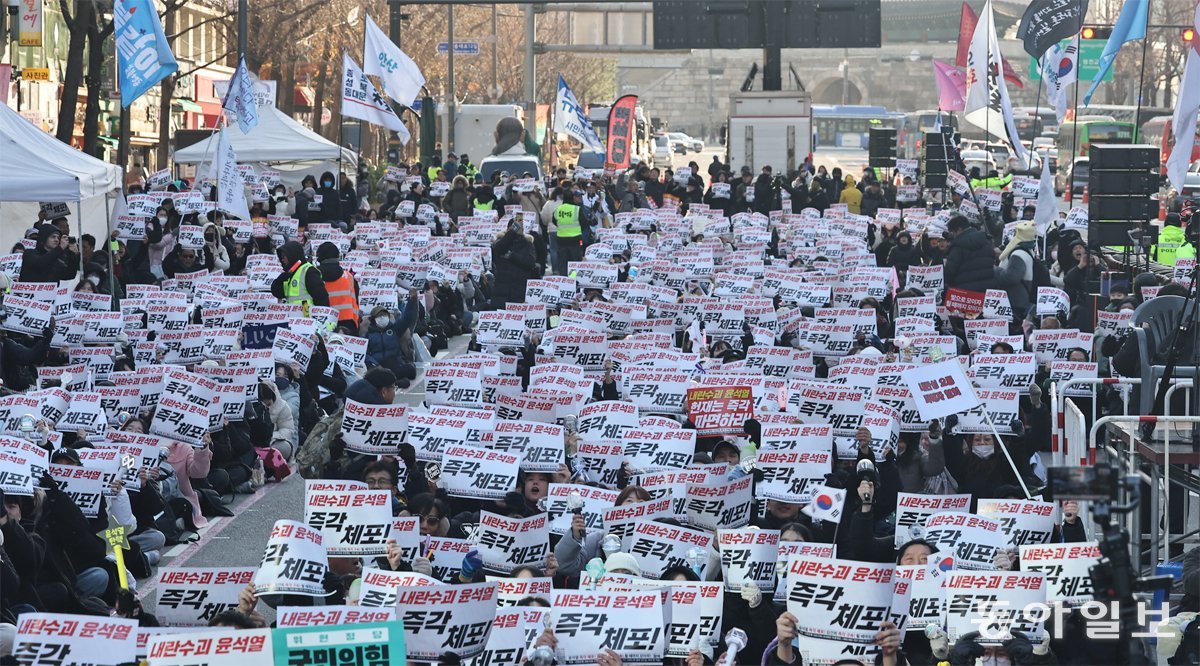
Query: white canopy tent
[[278, 143], [35, 167]]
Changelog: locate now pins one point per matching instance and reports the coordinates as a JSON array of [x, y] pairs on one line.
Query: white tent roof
[[35, 166], [276, 139]]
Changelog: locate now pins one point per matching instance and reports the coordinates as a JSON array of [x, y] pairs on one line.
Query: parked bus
[[916, 125], [849, 126], [1125, 112], [1074, 139], [1157, 132], [1048, 124]]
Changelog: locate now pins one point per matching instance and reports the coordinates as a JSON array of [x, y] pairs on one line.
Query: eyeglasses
[[431, 518]]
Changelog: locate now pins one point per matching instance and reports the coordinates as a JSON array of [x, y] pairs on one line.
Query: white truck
[[769, 129], [475, 127]]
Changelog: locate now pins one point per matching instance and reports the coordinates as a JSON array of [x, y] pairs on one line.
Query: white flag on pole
[[1046, 211], [231, 187], [239, 100], [361, 100], [400, 76], [988, 106], [826, 504], [1187, 104]]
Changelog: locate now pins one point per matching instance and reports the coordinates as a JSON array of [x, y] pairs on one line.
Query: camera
[[1088, 484]]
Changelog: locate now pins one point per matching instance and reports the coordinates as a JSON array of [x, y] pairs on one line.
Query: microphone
[[865, 469], [735, 640]]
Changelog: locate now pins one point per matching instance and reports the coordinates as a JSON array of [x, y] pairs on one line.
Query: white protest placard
[[430, 433], [331, 616], [16, 474], [190, 597], [621, 520], [656, 391], [657, 449], [291, 347], [940, 389], [605, 421], [212, 647], [185, 407], [478, 473], [791, 476], [1052, 301], [1067, 568], [1003, 371], [379, 586], [912, 509], [453, 383], [1024, 522], [84, 485], [60, 638], [1110, 323], [595, 502], [449, 619], [973, 540], [501, 328], [840, 600], [997, 407], [294, 561], [721, 504], [588, 622], [1063, 371], [539, 444], [374, 429], [927, 594], [508, 543], [696, 611], [993, 603], [1056, 344], [26, 315], [352, 522], [748, 555], [659, 546], [84, 413]]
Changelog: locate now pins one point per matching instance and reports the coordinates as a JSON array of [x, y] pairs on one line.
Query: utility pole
[[495, 57], [451, 101], [530, 73]]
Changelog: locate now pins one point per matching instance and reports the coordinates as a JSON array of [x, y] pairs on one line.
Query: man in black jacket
[[970, 261], [513, 261]]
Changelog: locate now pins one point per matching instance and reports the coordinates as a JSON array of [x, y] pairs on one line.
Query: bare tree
[[78, 23]]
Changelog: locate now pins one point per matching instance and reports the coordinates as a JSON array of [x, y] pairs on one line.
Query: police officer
[[568, 217], [300, 281]]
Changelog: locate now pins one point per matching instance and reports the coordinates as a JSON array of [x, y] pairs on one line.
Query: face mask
[[95, 280], [282, 383], [328, 183], [983, 450], [162, 219], [383, 322]]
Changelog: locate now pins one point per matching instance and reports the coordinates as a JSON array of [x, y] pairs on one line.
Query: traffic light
[[1188, 35], [1095, 32]]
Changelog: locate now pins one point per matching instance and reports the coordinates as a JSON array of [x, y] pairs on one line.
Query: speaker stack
[[1121, 179], [881, 149], [936, 160]]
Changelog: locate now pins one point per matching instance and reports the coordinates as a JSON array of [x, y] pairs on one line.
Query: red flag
[[621, 125], [966, 28]]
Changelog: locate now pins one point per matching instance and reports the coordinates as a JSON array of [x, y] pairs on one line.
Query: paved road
[[240, 541]]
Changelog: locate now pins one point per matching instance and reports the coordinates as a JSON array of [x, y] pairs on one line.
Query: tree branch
[[210, 62]]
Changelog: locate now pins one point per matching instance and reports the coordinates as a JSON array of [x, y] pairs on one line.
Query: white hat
[[623, 562]]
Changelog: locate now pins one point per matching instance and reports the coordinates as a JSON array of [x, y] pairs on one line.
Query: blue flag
[[1131, 25], [143, 54], [572, 118]]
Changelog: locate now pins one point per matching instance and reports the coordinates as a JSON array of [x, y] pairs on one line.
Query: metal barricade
[[1058, 397], [1186, 385]]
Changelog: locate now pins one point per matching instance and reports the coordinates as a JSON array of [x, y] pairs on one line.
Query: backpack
[[1041, 275], [314, 454]]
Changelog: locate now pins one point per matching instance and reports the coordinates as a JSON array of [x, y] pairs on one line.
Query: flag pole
[[1004, 449], [1137, 116], [1074, 116]]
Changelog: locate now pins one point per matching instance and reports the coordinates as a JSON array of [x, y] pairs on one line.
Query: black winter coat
[[970, 261], [513, 261]]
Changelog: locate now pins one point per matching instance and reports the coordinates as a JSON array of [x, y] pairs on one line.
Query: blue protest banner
[[143, 53]]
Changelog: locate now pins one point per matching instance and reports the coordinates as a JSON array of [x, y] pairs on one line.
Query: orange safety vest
[[341, 297]]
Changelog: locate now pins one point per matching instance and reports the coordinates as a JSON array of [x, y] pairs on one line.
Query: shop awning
[[188, 105]]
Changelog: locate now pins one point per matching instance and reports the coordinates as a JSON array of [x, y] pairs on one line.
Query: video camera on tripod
[[1114, 579]]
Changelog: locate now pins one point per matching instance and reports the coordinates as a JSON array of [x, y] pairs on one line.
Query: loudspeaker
[[1117, 157], [1137, 183], [881, 147], [1121, 208], [940, 167], [933, 181]]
